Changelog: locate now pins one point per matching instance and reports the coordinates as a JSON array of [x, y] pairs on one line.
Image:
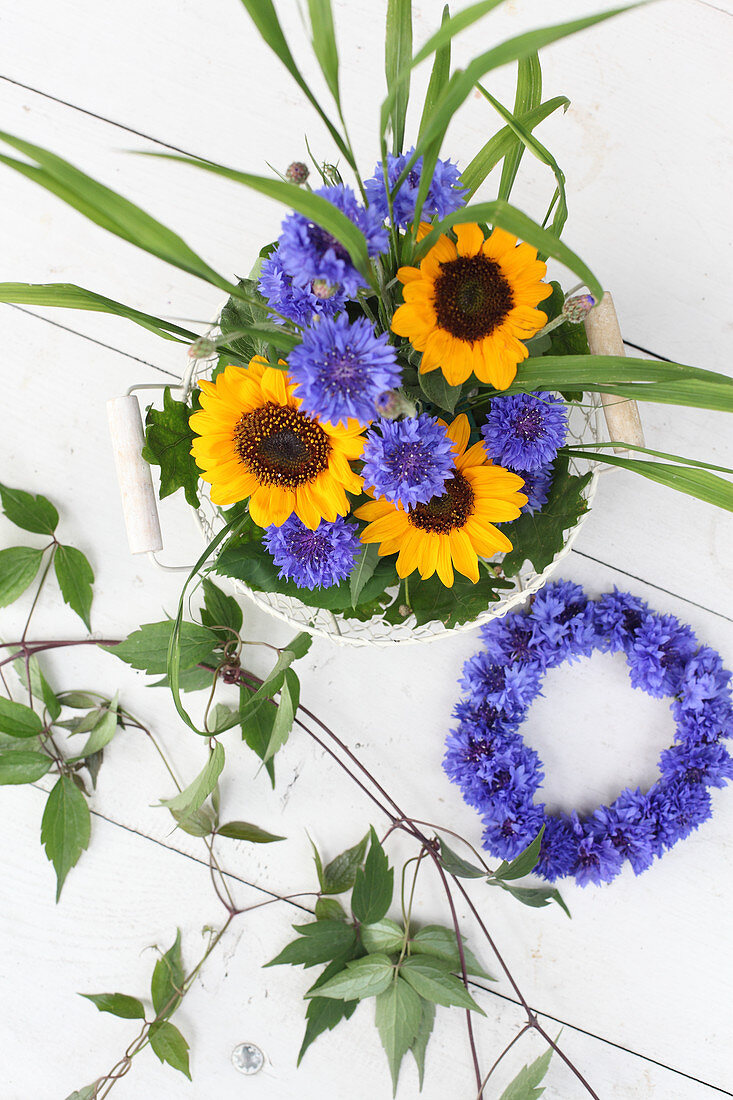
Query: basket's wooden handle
[[133, 474], [604, 338]]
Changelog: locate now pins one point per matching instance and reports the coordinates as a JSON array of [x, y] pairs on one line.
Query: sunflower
[[452, 529], [254, 441], [469, 306]]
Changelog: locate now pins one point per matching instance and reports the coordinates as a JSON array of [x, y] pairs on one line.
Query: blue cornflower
[[511, 774], [709, 764], [677, 808], [537, 485], [508, 688], [314, 559], [707, 723], [509, 640], [704, 679], [342, 367], [629, 825], [308, 252], [525, 430], [444, 194], [597, 858], [558, 849], [408, 461], [619, 615], [658, 655], [299, 303], [562, 621], [512, 831]]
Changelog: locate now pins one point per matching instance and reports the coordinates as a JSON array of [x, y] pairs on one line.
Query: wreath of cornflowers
[[500, 775]]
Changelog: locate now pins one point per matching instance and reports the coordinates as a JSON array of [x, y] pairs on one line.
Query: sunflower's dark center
[[528, 425], [445, 513], [472, 297], [282, 446], [322, 241]]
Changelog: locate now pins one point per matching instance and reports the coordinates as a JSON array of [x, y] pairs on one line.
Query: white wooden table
[[640, 980]]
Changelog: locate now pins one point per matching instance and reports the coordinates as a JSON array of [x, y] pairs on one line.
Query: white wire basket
[[140, 509]]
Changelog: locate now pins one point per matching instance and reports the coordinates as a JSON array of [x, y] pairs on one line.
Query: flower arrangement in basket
[[397, 427]]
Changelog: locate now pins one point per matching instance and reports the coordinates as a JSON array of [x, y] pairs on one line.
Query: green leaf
[[693, 481], [18, 568], [524, 863], [314, 207], [538, 150], [18, 720], [323, 1013], [339, 875], [456, 865], [39, 685], [538, 537], [220, 610], [299, 646], [363, 570], [68, 296], [104, 730], [537, 897], [398, 1017], [431, 980], [602, 373], [167, 980], [75, 577], [439, 78], [168, 439], [196, 793], [107, 209], [197, 823], [438, 392], [524, 1085], [170, 1046], [397, 61], [420, 1042], [65, 828], [329, 909], [23, 767], [361, 978], [242, 830], [319, 942], [385, 936], [285, 715], [78, 700], [431, 600], [528, 96], [257, 727], [193, 679], [324, 43], [373, 886], [32, 513], [441, 943], [87, 1093], [503, 142], [147, 647], [117, 1004]]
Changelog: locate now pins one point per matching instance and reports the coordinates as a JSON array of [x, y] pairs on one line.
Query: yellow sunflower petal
[[463, 555], [459, 431], [408, 274], [443, 563], [470, 238], [499, 243]]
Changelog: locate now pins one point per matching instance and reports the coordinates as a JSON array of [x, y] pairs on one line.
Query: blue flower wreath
[[499, 775]]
